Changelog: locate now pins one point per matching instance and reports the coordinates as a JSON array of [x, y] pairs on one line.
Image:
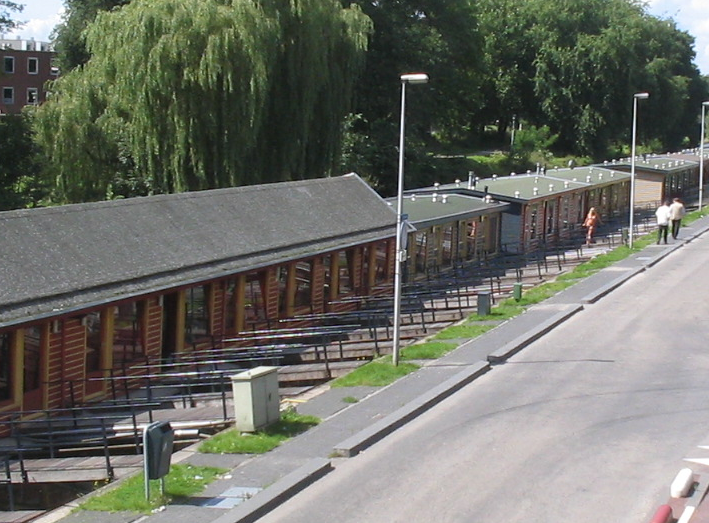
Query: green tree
[[7, 13], [437, 37], [20, 184], [575, 65], [183, 96], [69, 36], [528, 141]]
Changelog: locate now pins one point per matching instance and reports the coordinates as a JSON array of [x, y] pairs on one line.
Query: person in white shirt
[[663, 221], [677, 212]]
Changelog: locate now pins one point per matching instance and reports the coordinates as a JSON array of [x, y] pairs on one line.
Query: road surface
[[588, 424]]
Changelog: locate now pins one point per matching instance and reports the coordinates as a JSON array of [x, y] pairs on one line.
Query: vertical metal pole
[[632, 175], [145, 463], [701, 158], [399, 254]]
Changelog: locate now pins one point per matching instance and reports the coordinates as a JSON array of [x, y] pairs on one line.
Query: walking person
[[593, 220], [663, 221], [677, 212]]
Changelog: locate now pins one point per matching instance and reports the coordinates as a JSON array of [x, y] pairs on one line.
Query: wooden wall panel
[[318, 285], [153, 329], [217, 308]]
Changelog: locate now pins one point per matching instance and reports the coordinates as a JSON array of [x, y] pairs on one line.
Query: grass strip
[[375, 374], [466, 330], [234, 442], [184, 480], [429, 350]]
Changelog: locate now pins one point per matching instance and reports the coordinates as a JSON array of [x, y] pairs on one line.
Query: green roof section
[[662, 163], [534, 186], [427, 209]]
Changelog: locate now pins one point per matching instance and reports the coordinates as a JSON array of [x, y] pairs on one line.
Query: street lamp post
[[636, 97], [701, 156], [416, 78]]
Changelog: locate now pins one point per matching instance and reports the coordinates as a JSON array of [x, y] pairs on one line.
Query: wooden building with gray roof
[[547, 207], [87, 289], [660, 177], [449, 229]]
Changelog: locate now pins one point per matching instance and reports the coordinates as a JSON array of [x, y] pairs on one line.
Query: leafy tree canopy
[[70, 38], [188, 95], [18, 186], [7, 13], [575, 65]]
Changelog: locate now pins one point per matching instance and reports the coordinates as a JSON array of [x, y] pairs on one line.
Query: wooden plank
[[19, 516], [65, 476], [68, 470]]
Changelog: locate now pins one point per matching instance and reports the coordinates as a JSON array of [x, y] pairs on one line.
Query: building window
[[303, 284], [282, 276], [128, 327], [471, 237], [93, 341], [534, 212], [254, 302], [33, 359], [345, 266], [551, 217], [446, 246], [565, 212], [5, 367], [33, 65], [9, 64], [8, 95], [230, 297], [32, 96], [421, 251], [382, 263], [197, 314], [327, 280], [367, 254]]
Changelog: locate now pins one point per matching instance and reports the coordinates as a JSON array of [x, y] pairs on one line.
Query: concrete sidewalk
[[257, 484]]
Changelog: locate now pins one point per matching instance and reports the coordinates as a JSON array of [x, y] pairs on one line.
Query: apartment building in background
[[25, 68]]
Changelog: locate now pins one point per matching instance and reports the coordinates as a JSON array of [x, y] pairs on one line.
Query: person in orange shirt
[[593, 220]]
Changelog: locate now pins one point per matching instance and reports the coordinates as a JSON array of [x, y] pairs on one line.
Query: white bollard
[[682, 483]]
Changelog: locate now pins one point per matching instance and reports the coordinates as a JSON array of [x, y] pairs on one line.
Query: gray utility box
[[484, 303], [256, 399]]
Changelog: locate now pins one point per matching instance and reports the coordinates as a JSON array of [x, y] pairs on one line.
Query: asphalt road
[[588, 424]]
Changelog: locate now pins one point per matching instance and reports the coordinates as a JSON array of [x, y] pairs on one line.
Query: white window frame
[[8, 100], [5, 63], [33, 60], [32, 92]]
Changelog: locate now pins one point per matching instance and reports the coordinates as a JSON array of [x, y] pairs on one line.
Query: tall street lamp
[[701, 156], [416, 78], [636, 97]]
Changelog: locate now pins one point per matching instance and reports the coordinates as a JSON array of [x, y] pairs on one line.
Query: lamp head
[[414, 78], [642, 96]]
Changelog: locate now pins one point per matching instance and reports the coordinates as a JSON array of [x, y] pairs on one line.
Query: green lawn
[[375, 374], [182, 481], [234, 442]]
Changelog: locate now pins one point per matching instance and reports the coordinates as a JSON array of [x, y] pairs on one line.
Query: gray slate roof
[[66, 258]]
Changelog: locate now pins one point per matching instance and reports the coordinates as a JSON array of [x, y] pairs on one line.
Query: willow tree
[[202, 94], [7, 13]]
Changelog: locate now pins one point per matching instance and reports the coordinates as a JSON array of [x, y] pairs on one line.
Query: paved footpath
[[257, 484]]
